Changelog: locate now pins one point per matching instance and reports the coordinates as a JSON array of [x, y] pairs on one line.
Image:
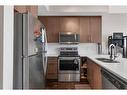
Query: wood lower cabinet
[[52, 69], [94, 74]]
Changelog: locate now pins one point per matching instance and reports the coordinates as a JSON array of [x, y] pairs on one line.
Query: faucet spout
[[112, 51]]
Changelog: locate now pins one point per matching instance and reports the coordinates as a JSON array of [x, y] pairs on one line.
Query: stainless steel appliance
[[68, 38], [30, 59], [120, 43], [69, 65], [125, 46], [111, 81], [117, 40]]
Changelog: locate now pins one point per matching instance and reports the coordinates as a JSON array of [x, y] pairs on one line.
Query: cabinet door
[[97, 80], [84, 30], [94, 74], [52, 25], [52, 68], [89, 72], [95, 29], [69, 24]]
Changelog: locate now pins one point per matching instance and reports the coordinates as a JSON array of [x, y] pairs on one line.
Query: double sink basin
[[106, 60]]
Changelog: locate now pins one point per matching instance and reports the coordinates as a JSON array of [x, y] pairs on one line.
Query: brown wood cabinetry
[[84, 30], [52, 68], [69, 24], [94, 74], [52, 25], [23, 9], [95, 29], [89, 27]]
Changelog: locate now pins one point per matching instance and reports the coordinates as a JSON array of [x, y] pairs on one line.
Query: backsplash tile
[[83, 48]]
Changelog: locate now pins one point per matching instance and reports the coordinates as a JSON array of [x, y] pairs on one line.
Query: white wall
[[8, 48], [1, 47], [67, 10], [118, 9], [112, 23]]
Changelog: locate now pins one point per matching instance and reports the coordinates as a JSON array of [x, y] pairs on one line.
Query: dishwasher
[[111, 81]]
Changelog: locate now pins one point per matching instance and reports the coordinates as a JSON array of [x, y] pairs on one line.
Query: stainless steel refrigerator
[[30, 61]]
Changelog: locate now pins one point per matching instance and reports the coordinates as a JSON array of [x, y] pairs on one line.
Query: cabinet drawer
[[52, 59], [52, 68], [51, 76]]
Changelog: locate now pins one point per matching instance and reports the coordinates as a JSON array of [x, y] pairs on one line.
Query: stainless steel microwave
[[68, 38]]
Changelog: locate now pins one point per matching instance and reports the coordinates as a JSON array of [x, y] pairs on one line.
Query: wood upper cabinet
[[52, 68], [94, 74], [52, 25], [95, 29], [84, 30], [90, 29], [23, 9], [69, 24]]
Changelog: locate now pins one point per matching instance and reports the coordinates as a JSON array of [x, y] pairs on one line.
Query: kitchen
[[78, 35]]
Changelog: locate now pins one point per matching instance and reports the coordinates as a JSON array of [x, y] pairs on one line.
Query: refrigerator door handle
[[29, 55], [42, 51], [38, 53]]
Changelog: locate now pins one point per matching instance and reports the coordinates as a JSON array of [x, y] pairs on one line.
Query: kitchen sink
[[106, 60]]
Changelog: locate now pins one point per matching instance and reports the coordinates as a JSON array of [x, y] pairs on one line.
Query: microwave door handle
[[75, 37]]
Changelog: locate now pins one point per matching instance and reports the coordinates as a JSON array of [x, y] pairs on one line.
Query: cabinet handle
[[90, 39]]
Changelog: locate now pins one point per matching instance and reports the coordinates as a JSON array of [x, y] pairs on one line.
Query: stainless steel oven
[[69, 69]]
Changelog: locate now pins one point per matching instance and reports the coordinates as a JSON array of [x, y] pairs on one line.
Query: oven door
[[69, 69], [69, 65]]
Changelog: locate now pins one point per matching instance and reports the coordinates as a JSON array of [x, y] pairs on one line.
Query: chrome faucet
[[112, 51]]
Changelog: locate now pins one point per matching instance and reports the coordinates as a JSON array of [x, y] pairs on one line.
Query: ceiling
[[77, 9], [50, 10]]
